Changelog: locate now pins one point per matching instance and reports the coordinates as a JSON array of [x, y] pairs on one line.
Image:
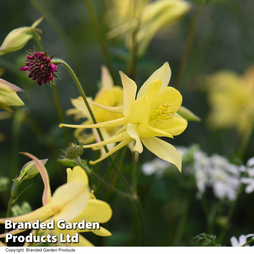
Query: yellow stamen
[[162, 113]]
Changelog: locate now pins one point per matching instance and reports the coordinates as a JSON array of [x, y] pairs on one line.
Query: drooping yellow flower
[[108, 95], [147, 115], [124, 16], [231, 98], [19, 37], [71, 202]]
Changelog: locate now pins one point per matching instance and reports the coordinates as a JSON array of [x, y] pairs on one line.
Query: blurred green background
[[224, 39]]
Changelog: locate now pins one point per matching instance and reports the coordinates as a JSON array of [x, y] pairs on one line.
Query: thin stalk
[[59, 112], [188, 45], [112, 164], [182, 220], [12, 197], [140, 219], [244, 144], [132, 69], [101, 40], [247, 243], [134, 175], [80, 88], [56, 97], [230, 214], [38, 42], [121, 193]]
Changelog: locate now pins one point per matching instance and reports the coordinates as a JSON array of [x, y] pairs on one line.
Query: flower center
[[162, 113], [40, 67]]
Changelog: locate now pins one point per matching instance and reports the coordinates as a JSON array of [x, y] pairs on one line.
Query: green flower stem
[[113, 162], [101, 40], [140, 220], [88, 171], [14, 189], [231, 210], [182, 220], [134, 47], [250, 241], [244, 144], [134, 174], [188, 45], [56, 98], [73, 75], [38, 42], [59, 112]]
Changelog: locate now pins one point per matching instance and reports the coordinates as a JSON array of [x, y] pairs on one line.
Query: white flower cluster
[[249, 178], [242, 240], [215, 171]]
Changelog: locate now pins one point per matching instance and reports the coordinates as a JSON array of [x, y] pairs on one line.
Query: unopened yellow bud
[[19, 37], [29, 171], [8, 95]]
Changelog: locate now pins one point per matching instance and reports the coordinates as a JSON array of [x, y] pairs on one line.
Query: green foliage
[[206, 239]]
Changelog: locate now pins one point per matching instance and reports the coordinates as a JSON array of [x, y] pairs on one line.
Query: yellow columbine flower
[[8, 95], [149, 18], [19, 37], [231, 98], [148, 114], [70, 202], [108, 95]]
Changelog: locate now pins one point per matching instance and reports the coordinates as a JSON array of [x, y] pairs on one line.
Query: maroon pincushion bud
[[40, 67]]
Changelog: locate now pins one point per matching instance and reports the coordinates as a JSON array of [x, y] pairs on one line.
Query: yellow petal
[[77, 175], [163, 150], [129, 93], [132, 130], [95, 210], [106, 79], [146, 131], [108, 108], [69, 200], [100, 232], [153, 88], [41, 213], [140, 112], [173, 126], [112, 123], [163, 73], [116, 148], [113, 139], [167, 94]]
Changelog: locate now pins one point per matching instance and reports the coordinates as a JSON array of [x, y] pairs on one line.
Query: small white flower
[[201, 163], [156, 166], [224, 177], [250, 162], [249, 179], [242, 240]]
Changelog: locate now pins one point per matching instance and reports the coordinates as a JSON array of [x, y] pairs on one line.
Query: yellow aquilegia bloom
[[108, 95], [144, 16], [147, 115], [71, 202], [231, 97]]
